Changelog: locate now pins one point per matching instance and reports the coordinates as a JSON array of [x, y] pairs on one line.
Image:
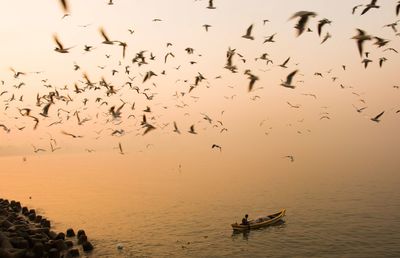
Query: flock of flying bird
[[61, 97]]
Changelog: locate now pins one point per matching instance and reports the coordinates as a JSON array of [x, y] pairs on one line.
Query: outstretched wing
[[289, 78], [378, 116], [58, 42], [249, 29], [103, 33]]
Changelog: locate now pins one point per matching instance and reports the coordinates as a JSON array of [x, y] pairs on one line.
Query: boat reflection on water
[[246, 233]]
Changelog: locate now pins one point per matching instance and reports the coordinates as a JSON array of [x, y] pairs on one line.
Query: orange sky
[[265, 126]]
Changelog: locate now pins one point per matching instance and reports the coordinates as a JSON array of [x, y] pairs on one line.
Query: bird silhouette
[[217, 147], [370, 6], [398, 8], [176, 130], [64, 5], [283, 65], [303, 19], [321, 24], [211, 4], [60, 47], [248, 33], [191, 130], [361, 37], [290, 157], [289, 79], [106, 38], [206, 27], [376, 118]]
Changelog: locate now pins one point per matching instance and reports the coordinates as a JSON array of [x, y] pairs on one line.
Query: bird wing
[[103, 33], [64, 5], [69, 134], [289, 78], [148, 129], [58, 42], [119, 109], [123, 50], [354, 9], [253, 80], [46, 109], [248, 32], [378, 116], [361, 32], [360, 47], [176, 127], [286, 61], [365, 10], [301, 24], [320, 25]]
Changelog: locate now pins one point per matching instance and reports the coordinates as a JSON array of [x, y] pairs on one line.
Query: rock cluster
[[25, 234]]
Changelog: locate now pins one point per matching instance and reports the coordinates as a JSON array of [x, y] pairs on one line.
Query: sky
[[259, 124]]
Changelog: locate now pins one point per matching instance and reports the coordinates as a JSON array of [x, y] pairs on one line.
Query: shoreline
[[23, 233]]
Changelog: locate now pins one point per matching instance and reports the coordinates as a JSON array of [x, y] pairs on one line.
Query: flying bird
[[5, 128], [191, 130], [104, 35], [36, 150], [321, 24], [248, 33], [176, 130], [216, 146], [361, 37], [380, 42], [149, 128], [392, 25], [366, 61], [376, 119], [53, 149], [270, 38], [359, 110], [290, 157], [303, 19], [369, 6], [283, 65], [46, 110], [382, 60], [211, 5], [206, 26], [289, 79], [253, 80], [60, 48], [121, 151], [72, 135]]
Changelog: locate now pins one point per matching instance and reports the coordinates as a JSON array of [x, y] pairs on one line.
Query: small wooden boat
[[260, 222]]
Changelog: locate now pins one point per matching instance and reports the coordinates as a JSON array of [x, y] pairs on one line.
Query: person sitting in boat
[[245, 220]]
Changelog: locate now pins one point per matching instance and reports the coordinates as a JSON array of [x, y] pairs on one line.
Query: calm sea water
[[159, 210]]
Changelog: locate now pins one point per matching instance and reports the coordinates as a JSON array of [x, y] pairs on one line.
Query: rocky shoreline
[[25, 234]]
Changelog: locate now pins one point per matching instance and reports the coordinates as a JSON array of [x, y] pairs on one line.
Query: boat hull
[[266, 221]]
